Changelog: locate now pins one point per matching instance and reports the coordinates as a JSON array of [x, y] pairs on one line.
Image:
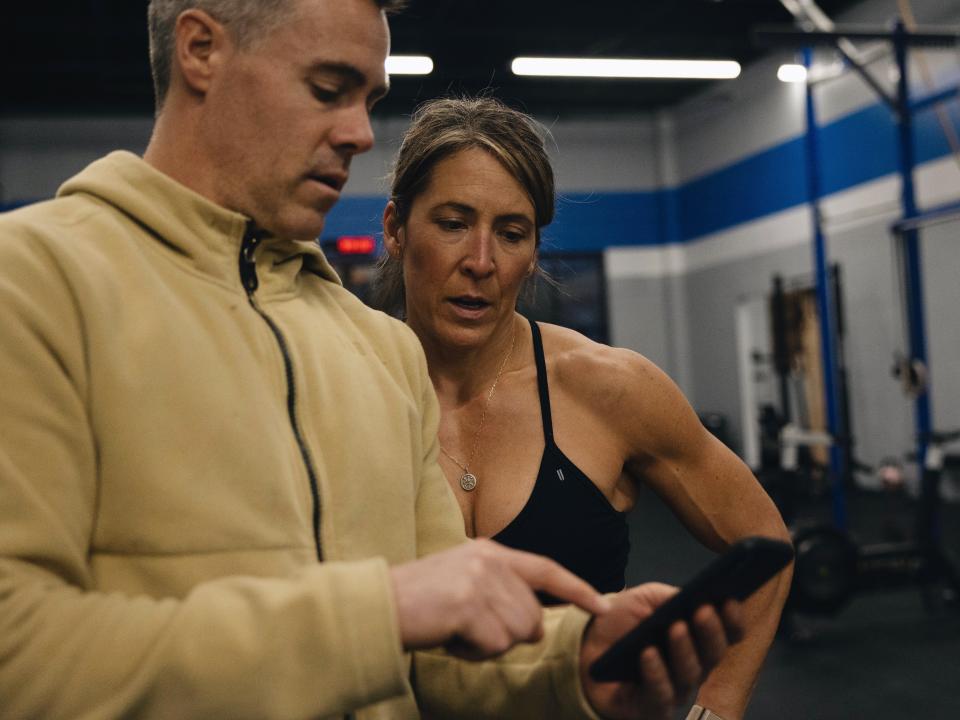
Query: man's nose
[[353, 131]]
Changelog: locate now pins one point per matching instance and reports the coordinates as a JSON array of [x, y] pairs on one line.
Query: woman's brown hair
[[440, 128]]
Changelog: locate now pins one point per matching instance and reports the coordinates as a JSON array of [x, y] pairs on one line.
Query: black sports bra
[[567, 517]]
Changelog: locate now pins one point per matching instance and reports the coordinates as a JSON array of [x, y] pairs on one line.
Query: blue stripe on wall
[[356, 215], [593, 221], [583, 222], [759, 185], [855, 149]]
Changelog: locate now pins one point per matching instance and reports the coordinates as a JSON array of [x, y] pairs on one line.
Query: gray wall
[[941, 268], [38, 154], [881, 414]]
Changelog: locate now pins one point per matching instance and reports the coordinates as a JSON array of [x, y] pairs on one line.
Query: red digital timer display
[[356, 244]]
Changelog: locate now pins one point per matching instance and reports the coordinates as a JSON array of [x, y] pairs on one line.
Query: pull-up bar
[[840, 37], [932, 216], [772, 35]]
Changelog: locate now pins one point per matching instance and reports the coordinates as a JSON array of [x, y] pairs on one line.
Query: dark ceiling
[[90, 56]]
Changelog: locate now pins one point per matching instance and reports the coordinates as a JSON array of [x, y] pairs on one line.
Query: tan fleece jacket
[[171, 451]]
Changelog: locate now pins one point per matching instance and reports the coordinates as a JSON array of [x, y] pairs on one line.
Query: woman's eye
[[513, 236]]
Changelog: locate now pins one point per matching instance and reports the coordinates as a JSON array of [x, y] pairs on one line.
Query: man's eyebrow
[[351, 74]]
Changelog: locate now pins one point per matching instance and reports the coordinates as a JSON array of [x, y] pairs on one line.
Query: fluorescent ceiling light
[[409, 65], [627, 68], [792, 73]]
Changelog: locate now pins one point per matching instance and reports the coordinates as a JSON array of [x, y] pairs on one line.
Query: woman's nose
[[479, 258]]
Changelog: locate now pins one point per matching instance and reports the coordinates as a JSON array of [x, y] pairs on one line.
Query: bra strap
[[542, 382]]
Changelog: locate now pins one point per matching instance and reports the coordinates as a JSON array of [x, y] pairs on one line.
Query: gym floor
[[881, 657]]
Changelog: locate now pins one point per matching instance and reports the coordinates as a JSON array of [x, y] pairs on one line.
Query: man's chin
[[307, 227]]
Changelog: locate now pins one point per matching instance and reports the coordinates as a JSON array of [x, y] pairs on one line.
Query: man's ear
[[201, 43], [392, 231]]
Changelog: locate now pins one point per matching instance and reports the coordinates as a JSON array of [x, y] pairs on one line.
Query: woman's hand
[[663, 682]]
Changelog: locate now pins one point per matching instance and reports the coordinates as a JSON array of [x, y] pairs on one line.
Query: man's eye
[[451, 224], [324, 94]]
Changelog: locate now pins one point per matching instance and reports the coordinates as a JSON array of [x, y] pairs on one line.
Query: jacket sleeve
[[316, 644], [533, 680], [536, 680]]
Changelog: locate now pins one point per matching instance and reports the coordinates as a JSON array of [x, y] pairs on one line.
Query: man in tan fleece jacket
[[190, 524]]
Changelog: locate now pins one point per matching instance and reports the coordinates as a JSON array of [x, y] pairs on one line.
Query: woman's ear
[[532, 268], [392, 231]]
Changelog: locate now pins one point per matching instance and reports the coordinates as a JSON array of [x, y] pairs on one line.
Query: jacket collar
[[207, 234]]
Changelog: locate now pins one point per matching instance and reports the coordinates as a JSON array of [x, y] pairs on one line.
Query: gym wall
[[739, 150], [695, 209]]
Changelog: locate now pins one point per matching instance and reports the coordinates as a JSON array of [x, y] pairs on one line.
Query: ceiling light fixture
[[409, 65], [790, 73], [627, 68]]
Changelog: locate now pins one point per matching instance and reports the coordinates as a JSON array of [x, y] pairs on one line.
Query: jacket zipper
[[248, 277]]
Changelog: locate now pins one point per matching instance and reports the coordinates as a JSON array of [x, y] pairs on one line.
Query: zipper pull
[[248, 263]]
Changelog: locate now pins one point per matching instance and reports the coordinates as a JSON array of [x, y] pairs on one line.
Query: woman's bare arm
[[713, 493]]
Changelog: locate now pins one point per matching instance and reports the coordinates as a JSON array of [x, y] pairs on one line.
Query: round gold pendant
[[468, 481]]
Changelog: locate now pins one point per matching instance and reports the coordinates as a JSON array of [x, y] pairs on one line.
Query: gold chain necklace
[[468, 481]]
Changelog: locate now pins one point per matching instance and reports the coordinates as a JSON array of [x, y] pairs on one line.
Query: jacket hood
[[210, 235]]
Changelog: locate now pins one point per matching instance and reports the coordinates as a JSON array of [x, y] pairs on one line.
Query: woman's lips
[[469, 307]]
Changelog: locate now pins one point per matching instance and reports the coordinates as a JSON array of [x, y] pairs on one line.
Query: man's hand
[[477, 599], [664, 682]]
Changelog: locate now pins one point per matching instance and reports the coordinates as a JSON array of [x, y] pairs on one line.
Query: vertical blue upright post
[[915, 314], [825, 307]]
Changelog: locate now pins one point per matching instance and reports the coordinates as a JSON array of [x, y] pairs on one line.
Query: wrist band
[[698, 712]]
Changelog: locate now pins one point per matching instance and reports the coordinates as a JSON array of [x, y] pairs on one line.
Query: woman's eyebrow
[[515, 217], [453, 205], [521, 218]]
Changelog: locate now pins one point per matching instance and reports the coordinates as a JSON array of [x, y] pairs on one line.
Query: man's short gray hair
[[247, 21]]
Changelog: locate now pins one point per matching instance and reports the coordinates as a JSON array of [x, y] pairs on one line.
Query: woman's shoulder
[[574, 356], [620, 387], [585, 368]]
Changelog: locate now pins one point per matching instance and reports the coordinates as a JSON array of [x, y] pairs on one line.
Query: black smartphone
[[737, 573]]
